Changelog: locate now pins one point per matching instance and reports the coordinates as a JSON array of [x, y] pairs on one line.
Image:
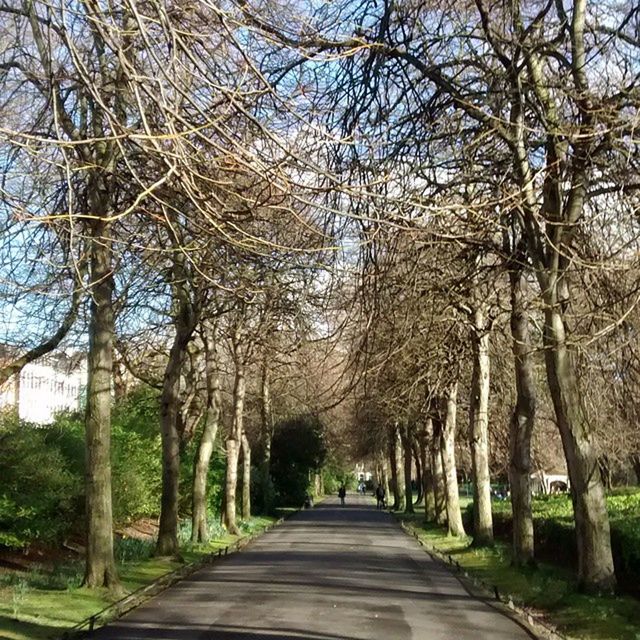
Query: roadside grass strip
[[35, 605], [547, 593]]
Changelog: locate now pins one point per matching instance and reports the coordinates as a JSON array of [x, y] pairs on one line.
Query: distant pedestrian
[[380, 496], [342, 492]]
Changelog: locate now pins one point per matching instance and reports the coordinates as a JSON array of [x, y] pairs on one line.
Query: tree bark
[[231, 485], [234, 440], [426, 442], [478, 432], [393, 463], [267, 436], [100, 568], [439, 481], [522, 424], [405, 441], [417, 460], [635, 463], [185, 324], [385, 476], [402, 492], [199, 532], [266, 413], [454, 516], [595, 561], [246, 477], [167, 543]]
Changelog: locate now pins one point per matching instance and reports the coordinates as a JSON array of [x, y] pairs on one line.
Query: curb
[[134, 599], [489, 594]]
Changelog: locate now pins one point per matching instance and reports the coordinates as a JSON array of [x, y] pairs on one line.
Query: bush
[[136, 454], [263, 491], [298, 448], [336, 473], [555, 537], [42, 471], [41, 497]]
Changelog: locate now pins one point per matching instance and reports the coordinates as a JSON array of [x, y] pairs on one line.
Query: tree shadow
[[11, 628]]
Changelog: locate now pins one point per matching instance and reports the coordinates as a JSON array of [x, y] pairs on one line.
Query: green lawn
[[36, 605], [548, 589]]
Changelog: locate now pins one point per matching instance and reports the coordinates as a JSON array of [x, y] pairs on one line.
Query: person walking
[[342, 492]]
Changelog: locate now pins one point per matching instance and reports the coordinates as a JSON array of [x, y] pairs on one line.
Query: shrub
[[42, 471], [40, 496], [136, 456], [554, 530], [298, 448]]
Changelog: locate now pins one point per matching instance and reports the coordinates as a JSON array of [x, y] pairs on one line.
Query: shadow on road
[[218, 632]]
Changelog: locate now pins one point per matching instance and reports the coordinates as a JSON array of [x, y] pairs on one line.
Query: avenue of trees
[[423, 215]]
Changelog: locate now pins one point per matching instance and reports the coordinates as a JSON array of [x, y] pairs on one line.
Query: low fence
[[492, 589], [136, 598]]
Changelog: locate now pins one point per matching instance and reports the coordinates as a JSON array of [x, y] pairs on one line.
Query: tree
[[298, 449]]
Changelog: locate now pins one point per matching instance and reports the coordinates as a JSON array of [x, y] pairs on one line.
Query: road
[[330, 573]]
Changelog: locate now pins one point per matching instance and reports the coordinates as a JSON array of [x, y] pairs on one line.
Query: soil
[[34, 556]]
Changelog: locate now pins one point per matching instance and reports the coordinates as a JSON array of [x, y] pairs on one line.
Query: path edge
[[478, 590], [138, 597]]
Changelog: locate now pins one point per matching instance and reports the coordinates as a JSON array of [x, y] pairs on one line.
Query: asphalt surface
[[330, 573]]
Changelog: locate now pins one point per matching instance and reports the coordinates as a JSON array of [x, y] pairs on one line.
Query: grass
[[36, 605], [548, 589]]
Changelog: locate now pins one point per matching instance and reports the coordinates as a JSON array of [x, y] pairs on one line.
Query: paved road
[[331, 573]]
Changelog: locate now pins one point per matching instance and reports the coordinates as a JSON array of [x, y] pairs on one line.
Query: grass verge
[[36, 605], [548, 592]]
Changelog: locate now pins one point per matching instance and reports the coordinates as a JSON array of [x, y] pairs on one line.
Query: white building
[[361, 473], [547, 483], [54, 383]]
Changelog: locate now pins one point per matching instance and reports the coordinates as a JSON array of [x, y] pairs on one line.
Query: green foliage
[[136, 456], [39, 494], [298, 448], [554, 529], [263, 490], [132, 549], [42, 471], [336, 473], [215, 476], [45, 607], [548, 588]]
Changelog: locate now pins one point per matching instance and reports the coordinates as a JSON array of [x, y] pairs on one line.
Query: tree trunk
[[100, 568], [384, 477], [393, 463], [405, 440], [234, 441], [199, 532], [454, 517], [266, 413], [439, 481], [595, 561], [605, 471], [635, 463], [231, 485], [478, 431], [167, 543], [426, 442], [185, 324], [267, 437], [246, 477], [521, 426], [417, 460], [402, 492]]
